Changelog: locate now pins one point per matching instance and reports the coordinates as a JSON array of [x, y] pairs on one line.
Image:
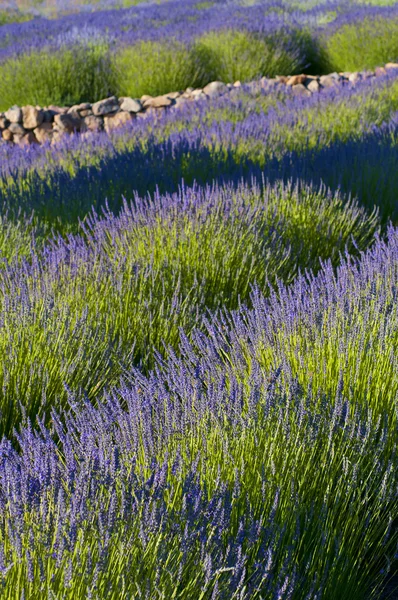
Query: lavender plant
[[214, 476], [96, 305]]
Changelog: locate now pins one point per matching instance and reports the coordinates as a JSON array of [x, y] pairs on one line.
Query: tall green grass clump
[[240, 55], [67, 76], [155, 68], [364, 45]]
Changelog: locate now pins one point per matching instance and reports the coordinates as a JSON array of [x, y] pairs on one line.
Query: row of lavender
[[32, 124], [183, 21], [260, 464], [343, 136]]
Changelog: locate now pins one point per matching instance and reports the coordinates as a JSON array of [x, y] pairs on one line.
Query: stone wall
[[34, 124]]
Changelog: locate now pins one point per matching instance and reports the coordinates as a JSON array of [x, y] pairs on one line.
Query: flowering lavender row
[[81, 311], [218, 475], [183, 21], [249, 130]]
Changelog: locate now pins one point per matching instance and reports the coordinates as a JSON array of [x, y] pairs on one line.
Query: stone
[[189, 90], [313, 86], [391, 65], [28, 139], [31, 117], [300, 90], [14, 114], [282, 78], [4, 123], [200, 96], [106, 106], [173, 95], [17, 138], [367, 74], [57, 110], [328, 81], [79, 107], [57, 136], [354, 77], [92, 123], [158, 102], [215, 88], [115, 121], [380, 71], [296, 79], [237, 84], [86, 113], [145, 97], [67, 123], [130, 105], [44, 132], [17, 129], [7, 135]]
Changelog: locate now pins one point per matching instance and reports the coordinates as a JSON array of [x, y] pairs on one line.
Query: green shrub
[[67, 76], [231, 55], [360, 46], [155, 68]]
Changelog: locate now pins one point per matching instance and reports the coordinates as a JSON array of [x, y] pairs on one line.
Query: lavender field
[[199, 310]]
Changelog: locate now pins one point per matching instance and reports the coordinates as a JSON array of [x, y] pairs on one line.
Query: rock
[[7, 135], [144, 98], [189, 90], [173, 95], [296, 79], [115, 121], [17, 138], [354, 77], [367, 74], [328, 81], [391, 65], [130, 105], [77, 108], [57, 110], [92, 123], [158, 102], [215, 88], [67, 123], [57, 137], [237, 84], [14, 114], [380, 71], [300, 90], [104, 107], [31, 117], [282, 78], [44, 132], [28, 139], [230, 86], [86, 113], [313, 86], [4, 123], [200, 96], [17, 129]]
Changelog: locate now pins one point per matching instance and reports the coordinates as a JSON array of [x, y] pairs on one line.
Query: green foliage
[[239, 55], [65, 77], [155, 68], [359, 46]]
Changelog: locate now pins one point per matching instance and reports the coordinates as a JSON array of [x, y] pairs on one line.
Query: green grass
[[64, 77], [359, 46], [155, 68], [238, 55]]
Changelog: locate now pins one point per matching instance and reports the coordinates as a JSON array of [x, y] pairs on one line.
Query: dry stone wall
[[36, 125]]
